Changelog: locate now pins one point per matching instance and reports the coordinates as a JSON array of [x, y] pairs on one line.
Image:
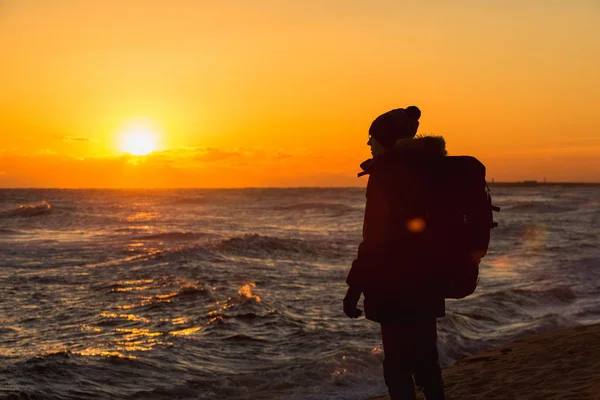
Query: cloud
[[212, 155], [72, 139], [207, 156], [182, 167]]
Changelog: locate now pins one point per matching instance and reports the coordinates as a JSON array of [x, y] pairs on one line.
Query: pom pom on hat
[[413, 112]]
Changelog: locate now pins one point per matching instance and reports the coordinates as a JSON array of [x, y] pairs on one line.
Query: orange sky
[[282, 93]]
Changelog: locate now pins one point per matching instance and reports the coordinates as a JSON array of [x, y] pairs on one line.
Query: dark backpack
[[460, 217]]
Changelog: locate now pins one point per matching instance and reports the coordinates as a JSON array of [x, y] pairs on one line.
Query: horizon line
[[521, 183]]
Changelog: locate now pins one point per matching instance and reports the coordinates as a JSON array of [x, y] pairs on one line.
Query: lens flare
[[415, 225]]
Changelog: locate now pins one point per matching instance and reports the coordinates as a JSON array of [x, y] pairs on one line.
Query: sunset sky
[[282, 93]]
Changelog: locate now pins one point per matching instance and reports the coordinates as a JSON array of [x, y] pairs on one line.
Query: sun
[[139, 141]]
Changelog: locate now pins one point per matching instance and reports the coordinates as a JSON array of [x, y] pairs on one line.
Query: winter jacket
[[394, 268]]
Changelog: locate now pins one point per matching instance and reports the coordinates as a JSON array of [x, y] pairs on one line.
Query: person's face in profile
[[376, 147]]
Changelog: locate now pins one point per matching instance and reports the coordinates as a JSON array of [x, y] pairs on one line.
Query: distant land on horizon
[[542, 183]]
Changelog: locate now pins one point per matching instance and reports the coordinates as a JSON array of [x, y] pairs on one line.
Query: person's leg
[[399, 347], [428, 373]]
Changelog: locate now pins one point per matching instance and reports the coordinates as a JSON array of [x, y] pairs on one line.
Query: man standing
[[395, 269]]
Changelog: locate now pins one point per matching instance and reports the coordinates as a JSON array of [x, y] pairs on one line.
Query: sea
[[237, 293]]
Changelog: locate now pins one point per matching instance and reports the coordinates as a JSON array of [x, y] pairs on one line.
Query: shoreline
[[559, 364]]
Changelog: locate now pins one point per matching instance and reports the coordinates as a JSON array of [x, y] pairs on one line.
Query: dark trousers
[[410, 350]]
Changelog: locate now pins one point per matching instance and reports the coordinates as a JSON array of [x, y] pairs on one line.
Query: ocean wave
[[172, 236], [191, 290], [586, 269], [513, 302], [10, 232], [546, 323], [181, 255], [29, 395], [562, 294], [5, 330], [465, 323], [569, 195], [28, 210], [184, 292], [148, 288], [590, 205], [241, 338], [73, 375], [151, 255], [190, 200], [538, 207], [56, 355], [267, 243], [131, 229], [591, 311], [176, 392], [259, 245], [336, 208]]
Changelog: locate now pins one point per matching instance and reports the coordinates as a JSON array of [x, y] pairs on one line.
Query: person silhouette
[[401, 288]]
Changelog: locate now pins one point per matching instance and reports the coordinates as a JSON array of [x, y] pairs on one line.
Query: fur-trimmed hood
[[419, 148]]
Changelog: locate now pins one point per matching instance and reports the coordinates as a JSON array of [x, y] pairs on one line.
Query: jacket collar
[[419, 148]]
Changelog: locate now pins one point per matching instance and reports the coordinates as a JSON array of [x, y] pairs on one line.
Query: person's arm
[[375, 234]]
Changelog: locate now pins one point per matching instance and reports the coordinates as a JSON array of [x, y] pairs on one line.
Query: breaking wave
[[28, 210], [563, 294], [530, 298]]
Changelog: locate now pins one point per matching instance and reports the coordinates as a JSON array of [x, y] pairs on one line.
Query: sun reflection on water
[[142, 216], [130, 289], [535, 236], [134, 282], [246, 291], [103, 353], [88, 328], [128, 306], [501, 262], [129, 317], [125, 341], [187, 331], [134, 333]]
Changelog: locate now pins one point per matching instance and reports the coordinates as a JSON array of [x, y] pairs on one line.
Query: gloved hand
[[351, 302]]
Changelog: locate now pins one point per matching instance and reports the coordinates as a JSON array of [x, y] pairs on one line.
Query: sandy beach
[[562, 364]]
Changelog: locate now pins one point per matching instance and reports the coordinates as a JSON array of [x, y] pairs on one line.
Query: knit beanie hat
[[396, 124]]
